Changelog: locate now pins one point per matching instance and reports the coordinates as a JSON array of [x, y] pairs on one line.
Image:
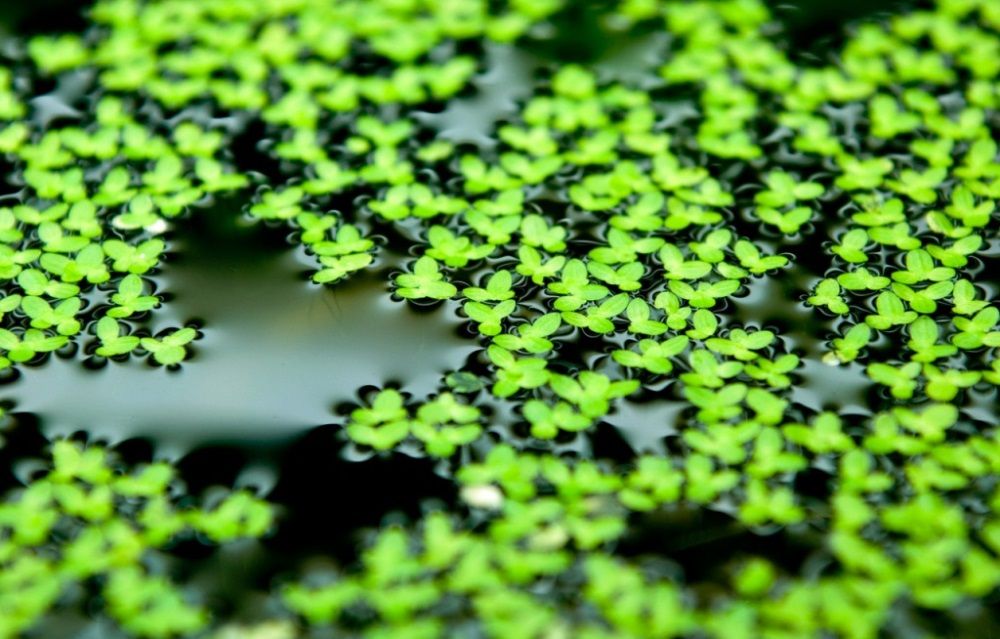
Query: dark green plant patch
[[413, 319]]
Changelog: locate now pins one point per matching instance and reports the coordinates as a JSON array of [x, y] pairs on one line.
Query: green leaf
[[169, 350], [827, 294], [900, 380], [890, 312], [425, 282]]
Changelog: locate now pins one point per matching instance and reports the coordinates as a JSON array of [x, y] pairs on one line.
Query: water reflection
[[278, 352]]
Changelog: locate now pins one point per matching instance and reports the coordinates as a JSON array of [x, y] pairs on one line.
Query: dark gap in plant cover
[[700, 543], [326, 499], [816, 28], [44, 16]]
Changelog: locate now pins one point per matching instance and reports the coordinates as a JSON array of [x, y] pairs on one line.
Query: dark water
[[817, 27], [42, 16]]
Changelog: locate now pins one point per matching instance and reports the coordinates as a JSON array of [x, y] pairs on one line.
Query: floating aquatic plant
[[607, 247], [86, 520]]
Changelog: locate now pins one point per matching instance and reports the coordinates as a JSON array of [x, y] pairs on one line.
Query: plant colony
[[622, 221]]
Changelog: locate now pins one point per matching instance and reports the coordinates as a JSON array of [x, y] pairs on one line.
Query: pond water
[[278, 352]]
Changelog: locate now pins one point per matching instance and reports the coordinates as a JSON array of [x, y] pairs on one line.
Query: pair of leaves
[[26, 346], [168, 350], [425, 282], [652, 356], [531, 337], [599, 318]]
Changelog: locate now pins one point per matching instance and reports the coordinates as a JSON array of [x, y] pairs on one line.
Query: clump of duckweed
[[602, 250], [87, 521]]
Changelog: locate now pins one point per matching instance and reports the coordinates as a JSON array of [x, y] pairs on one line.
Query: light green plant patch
[[607, 250]]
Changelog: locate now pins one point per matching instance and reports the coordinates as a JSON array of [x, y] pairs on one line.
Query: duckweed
[[601, 249]]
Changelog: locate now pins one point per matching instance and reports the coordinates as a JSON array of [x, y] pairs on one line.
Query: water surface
[[278, 352]]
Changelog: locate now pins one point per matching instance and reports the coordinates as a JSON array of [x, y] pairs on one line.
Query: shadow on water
[[815, 28], [278, 352], [43, 16], [324, 502]]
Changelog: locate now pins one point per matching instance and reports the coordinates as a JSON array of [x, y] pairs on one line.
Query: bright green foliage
[[341, 255], [531, 337], [595, 247], [444, 424], [85, 519], [129, 300], [169, 350], [426, 282], [653, 356], [828, 294], [441, 425], [85, 223], [112, 342], [81, 226], [382, 425]]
